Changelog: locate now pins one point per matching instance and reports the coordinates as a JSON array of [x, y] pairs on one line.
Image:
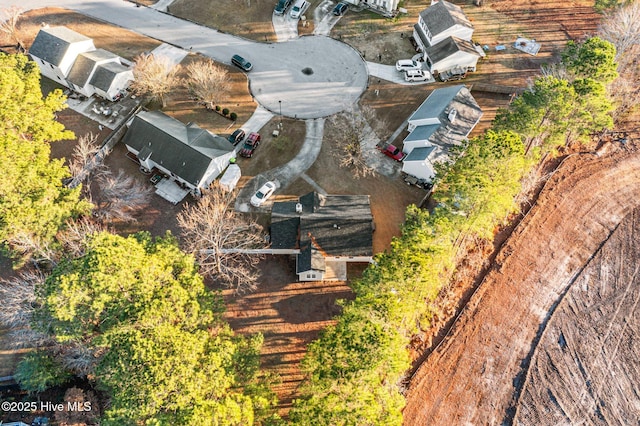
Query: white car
[[263, 194], [408, 64], [298, 9], [416, 75]]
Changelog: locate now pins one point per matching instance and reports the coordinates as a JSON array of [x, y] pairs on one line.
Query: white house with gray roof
[[190, 156], [444, 120], [443, 33], [55, 50], [72, 60]]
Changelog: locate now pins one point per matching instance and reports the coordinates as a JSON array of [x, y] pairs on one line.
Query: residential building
[[444, 120], [329, 230], [190, 156], [72, 60]]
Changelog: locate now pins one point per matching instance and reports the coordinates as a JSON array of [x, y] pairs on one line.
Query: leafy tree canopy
[[164, 354], [34, 203], [595, 59]]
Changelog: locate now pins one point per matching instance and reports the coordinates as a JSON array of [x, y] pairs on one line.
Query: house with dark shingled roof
[[192, 157], [329, 230]]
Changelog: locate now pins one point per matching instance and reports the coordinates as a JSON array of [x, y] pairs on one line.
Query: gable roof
[[185, 150], [85, 63], [419, 154], [443, 15], [421, 133], [448, 47], [105, 74], [51, 44], [338, 225], [435, 103]]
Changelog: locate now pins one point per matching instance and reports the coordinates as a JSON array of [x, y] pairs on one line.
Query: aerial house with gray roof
[[444, 120], [190, 156], [329, 230], [72, 60]]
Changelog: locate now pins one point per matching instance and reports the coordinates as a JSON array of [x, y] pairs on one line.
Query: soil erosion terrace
[[473, 375]]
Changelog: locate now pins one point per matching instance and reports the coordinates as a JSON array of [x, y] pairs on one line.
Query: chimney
[[298, 208]]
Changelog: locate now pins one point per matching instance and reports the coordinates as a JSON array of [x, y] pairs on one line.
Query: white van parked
[[298, 9], [416, 75], [408, 64]]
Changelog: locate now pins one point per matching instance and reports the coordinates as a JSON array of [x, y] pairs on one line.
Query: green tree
[[163, 353], [595, 58], [34, 203], [481, 182], [39, 371]]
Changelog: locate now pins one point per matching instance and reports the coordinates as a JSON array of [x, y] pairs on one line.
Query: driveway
[[286, 174]]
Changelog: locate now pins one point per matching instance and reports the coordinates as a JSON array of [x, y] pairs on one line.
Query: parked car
[[340, 9], [408, 64], [250, 145], [281, 7], [453, 74], [241, 63], [416, 75], [236, 137], [393, 152], [263, 194], [298, 8]]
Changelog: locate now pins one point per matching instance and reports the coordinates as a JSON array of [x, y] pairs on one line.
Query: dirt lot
[[470, 378], [586, 364]]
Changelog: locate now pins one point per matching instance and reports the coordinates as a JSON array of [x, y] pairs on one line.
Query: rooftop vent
[[452, 115], [298, 208]]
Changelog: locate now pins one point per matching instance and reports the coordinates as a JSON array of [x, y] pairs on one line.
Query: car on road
[[340, 9], [236, 137], [250, 145], [408, 64], [241, 63], [263, 194], [281, 7], [393, 152], [298, 8], [416, 75]]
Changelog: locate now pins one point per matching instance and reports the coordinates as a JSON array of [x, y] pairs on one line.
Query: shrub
[[225, 111], [233, 116], [217, 108]]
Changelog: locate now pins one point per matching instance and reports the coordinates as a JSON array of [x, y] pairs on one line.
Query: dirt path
[[470, 377]]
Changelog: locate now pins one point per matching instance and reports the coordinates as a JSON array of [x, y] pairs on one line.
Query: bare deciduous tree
[[9, 24], [356, 140], [154, 76], [86, 164], [18, 298], [207, 82], [622, 28], [221, 240], [119, 197], [73, 238]]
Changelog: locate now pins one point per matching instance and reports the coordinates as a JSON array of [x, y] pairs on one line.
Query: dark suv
[[236, 137], [241, 63], [281, 7]]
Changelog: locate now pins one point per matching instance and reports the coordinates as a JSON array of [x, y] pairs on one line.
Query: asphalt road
[[309, 77]]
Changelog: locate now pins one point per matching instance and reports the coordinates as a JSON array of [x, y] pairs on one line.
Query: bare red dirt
[[473, 376]]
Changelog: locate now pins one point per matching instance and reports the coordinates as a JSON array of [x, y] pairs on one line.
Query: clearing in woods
[[475, 375], [586, 365]]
